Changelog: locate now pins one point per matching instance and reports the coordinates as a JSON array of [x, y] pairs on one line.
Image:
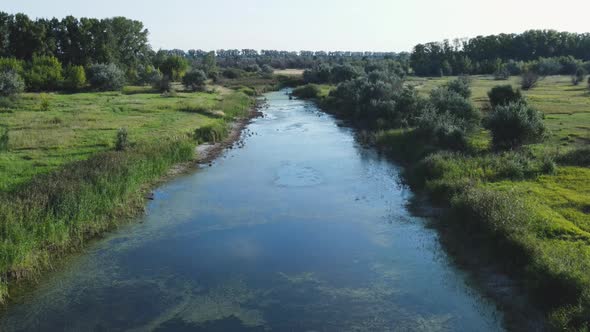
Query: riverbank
[[519, 211], [56, 213]]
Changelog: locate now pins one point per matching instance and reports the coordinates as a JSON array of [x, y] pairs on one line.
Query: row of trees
[[486, 55]]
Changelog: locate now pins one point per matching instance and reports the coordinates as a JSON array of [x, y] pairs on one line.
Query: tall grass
[[55, 213]]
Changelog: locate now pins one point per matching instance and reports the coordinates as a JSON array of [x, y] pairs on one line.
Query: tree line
[[489, 54]]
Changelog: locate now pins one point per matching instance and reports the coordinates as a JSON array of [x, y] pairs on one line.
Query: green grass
[[62, 183], [79, 125]]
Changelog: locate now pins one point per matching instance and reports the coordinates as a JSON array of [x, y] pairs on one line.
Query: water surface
[[302, 229]]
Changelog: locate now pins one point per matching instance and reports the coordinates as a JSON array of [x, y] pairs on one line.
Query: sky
[[331, 25]]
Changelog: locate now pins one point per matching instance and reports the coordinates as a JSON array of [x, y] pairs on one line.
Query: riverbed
[[298, 227]]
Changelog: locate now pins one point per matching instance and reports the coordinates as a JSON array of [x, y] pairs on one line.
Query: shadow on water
[[299, 229]]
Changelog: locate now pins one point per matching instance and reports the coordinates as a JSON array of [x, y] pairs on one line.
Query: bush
[[576, 157], [529, 80], [266, 69], [44, 103], [106, 77], [122, 140], [578, 77], [12, 64], [443, 129], [341, 73], [194, 80], [461, 85], [45, 73], [4, 139], [502, 74], [232, 73], [75, 78], [211, 133], [254, 68], [515, 124], [504, 95], [446, 100], [307, 91], [10, 84]]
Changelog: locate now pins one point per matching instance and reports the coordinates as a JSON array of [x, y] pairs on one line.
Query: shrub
[[10, 84], [341, 73], [446, 100], [4, 139], [254, 68], [504, 95], [106, 77], [212, 133], [307, 91], [266, 69], [515, 124], [75, 78], [44, 103], [122, 140], [461, 85], [501, 74], [576, 157], [45, 73], [443, 129], [579, 75], [194, 80], [146, 74], [12, 64], [232, 73], [529, 80]]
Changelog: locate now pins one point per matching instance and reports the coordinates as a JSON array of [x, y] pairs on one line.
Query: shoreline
[[15, 283]]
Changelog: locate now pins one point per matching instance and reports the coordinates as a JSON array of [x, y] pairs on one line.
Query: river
[[297, 228]]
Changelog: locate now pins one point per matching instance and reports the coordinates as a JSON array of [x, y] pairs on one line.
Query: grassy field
[[72, 127], [61, 180]]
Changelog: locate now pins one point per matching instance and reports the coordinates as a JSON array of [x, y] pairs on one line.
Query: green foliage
[[502, 95], [211, 133], [576, 157], [173, 67], [106, 77], [502, 74], [515, 124], [307, 91], [44, 74], [122, 140], [232, 73], [461, 86], [75, 78], [44, 102], [12, 64], [449, 101], [10, 84], [194, 80], [578, 76], [529, 80], [443, 129]]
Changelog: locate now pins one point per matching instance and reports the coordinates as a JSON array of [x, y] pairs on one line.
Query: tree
[[106, 77], [10, 84], [209, 63], [194, 80], [461, 85], [515, 124], [45, 73], [579, 75], [174, 67], [75, 78]]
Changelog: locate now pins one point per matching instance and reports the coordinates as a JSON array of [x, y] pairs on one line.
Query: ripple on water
[[297, 175]]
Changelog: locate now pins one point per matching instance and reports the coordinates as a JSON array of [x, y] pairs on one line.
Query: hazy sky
[[374, 25]]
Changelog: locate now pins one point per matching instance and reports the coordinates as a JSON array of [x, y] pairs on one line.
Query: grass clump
[[211, 133]]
